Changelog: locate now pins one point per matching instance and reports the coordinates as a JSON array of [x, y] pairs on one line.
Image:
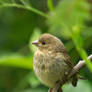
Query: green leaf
[[68, 14], [50, 5], [35, 36], [16, 60], [25, 5]]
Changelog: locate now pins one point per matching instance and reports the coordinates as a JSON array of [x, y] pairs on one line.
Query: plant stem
[[25, 7], [50, 5]]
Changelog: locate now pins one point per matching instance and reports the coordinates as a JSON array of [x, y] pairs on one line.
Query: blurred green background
[[69, 20]]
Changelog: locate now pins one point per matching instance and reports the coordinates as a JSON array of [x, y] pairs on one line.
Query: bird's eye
[[43, 43]]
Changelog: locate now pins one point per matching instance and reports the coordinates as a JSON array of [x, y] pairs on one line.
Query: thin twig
[[77, 67]]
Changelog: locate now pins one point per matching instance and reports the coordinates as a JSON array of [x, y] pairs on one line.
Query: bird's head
[[47, 42]]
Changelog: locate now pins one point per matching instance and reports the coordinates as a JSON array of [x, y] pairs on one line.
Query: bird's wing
[[68, 59], [63, 53]]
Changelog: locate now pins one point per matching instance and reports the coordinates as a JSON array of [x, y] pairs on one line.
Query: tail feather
[[74, 80]]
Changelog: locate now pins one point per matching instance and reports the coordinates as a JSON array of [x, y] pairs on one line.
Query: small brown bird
[[52, 62]]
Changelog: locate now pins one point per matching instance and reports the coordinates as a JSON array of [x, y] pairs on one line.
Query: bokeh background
[[20, 26]]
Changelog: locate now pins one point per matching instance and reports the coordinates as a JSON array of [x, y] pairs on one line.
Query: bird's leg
[[60, 90], [57, 88], [49, 90]]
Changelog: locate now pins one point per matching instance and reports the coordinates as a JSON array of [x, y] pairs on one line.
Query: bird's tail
[[74, 80]]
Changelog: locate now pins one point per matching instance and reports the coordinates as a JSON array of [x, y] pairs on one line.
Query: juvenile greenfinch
[[51, 61]]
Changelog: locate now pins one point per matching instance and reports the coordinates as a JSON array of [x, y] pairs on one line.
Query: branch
[[80, 65], [76, 68]]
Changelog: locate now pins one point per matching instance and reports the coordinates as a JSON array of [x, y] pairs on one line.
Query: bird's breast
[[48, 69]]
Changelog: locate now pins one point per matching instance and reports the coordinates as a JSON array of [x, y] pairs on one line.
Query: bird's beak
[[35, 42]]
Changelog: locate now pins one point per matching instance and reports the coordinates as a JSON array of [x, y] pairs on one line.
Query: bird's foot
[[57, 90], [57, 87]]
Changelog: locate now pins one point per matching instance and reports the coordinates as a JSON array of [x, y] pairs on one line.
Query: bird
[[51, 61]]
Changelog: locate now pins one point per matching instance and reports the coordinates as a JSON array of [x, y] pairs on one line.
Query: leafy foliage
[[36, 34], [24, 4], [16, 60], [77, 11], [19, 26]]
